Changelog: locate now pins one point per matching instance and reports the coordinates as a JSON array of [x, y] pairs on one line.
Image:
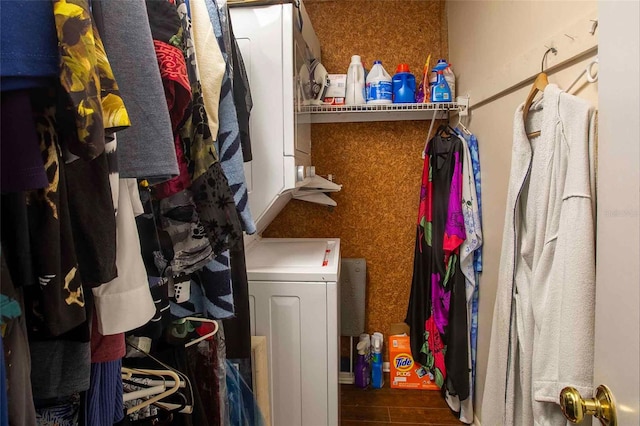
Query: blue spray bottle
[[377, 376], [441, 91]]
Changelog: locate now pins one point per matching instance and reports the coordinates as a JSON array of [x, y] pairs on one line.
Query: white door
[[293, 317], [617, 344]]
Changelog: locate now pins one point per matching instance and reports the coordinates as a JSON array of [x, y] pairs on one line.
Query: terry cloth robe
[[547, 268]]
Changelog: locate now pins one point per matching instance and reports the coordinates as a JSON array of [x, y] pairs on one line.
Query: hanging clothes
[[125, 303], [212, 193], [21, 166], [228, 141], [17, 359], [104, 397], [547, 267], [241, 97], [28, 45], [474, 150], [86, 75], [437, 313], [146, 149], [211, 63], [463, 408], [57, 304]]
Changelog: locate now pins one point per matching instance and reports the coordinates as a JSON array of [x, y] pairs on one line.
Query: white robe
[[543, 322]]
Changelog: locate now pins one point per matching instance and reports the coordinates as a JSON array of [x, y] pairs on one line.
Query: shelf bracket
[[463, 105]]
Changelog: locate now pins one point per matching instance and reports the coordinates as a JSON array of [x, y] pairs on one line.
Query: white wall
[[492, 45]]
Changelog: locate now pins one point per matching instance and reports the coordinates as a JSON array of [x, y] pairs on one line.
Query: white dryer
[[293, 297]]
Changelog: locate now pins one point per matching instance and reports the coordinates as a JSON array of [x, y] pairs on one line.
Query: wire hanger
[[539, 85], [588, 71]]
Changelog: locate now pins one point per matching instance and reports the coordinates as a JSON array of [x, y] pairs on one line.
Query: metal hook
[[552, 50]]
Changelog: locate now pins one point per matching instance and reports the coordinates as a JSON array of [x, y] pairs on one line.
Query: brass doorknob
[[575, 408]]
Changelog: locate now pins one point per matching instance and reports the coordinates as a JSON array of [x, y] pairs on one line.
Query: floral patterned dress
[[437, 311]]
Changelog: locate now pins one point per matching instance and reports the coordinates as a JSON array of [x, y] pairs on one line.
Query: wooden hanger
[[539, 84]]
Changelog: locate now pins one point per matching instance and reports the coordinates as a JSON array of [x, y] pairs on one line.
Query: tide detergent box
[[404, 372]]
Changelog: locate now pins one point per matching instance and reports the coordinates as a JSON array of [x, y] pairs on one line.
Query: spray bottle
[[377, 376], [362, 366]]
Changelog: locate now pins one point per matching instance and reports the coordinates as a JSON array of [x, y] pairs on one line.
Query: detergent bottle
[[355, 82], [404, 85], [451, 80]]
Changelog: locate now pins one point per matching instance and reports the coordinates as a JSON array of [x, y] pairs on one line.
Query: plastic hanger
[[159, 396], [201, 320], [461, 126], [154, 389], [182, 381], [591, 78]]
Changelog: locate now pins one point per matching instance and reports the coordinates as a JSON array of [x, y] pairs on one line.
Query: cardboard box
[[337, 89], [333, 101], [405, 373]]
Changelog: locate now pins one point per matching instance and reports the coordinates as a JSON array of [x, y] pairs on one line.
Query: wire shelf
[[384, 112]]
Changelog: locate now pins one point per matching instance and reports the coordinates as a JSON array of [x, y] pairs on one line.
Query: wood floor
[[382, 407]]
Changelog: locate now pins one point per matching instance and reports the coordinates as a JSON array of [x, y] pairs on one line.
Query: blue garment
[[472, 142], [28, 44], [211, 291], [228, 141], [243, 408], [4, 403], [104, 397]]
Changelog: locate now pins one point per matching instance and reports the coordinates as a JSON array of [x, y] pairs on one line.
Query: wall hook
[[549, 49]]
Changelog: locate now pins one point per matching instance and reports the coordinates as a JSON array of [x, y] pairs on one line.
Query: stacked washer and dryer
[[293, 283]]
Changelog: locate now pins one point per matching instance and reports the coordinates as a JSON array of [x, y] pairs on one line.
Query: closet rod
[[526, 82]]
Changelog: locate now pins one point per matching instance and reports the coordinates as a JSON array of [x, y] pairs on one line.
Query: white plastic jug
[[379, 87], [355, 82], [450, 77]]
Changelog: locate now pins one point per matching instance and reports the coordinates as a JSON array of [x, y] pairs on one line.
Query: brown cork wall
[[378, 164]]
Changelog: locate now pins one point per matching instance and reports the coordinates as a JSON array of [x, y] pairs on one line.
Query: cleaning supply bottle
[[362, 377], [451, 80], [379, 90], [441, 65], [377, 376], [404, 85], [441, 91], [355, 82]]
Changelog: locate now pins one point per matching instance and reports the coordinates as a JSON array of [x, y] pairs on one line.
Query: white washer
[[293, 296]]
